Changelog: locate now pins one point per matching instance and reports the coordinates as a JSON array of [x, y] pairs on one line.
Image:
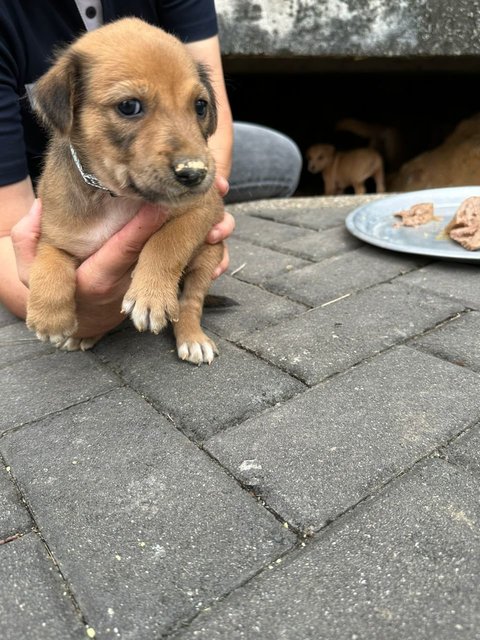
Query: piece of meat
[[464, 227], [415, 216]]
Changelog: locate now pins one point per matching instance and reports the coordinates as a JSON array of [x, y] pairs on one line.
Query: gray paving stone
[[33, 603], [264, 232], [340, 275], [453, 341], [322, 452], [331, 339], [450, 279], [14, 517], [144, 526], [257, 264], [404, 566], [325, 244], [465, 451], [6, 317], [313, 213], [256, 309], [18, 343], [34, 388], [314, 217], [202, 400]]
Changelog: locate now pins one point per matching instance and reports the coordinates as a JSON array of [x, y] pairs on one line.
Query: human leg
[[266, 164]]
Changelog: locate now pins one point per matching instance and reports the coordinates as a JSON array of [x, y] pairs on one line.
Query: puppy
[[342, 169], [129, 113]]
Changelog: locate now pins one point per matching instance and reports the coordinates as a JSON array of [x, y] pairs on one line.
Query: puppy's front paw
[[197, 349], [74, 344], [55, 323], [151, 307]]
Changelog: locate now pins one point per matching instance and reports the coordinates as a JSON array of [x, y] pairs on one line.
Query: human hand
[[223, 229], [104, 277], [25, 236]]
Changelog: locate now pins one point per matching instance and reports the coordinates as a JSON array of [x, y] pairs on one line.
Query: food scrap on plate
[[417, 215], [464, 227]]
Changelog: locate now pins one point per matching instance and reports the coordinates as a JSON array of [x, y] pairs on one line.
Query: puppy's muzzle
[[190, 173]]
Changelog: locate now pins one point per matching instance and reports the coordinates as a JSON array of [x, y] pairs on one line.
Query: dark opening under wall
[[423, 105]]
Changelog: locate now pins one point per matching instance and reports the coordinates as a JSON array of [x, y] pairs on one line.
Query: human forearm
[[15, 200]]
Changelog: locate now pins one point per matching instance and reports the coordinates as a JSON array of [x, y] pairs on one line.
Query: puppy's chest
[[91, 236]]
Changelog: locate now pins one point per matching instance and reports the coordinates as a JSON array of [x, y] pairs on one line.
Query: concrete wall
[[352, 28]]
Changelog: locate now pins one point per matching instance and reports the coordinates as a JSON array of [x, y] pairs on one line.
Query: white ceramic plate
[[374, 223]]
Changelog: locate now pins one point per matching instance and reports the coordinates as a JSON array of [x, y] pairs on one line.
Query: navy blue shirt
[[31, 30]]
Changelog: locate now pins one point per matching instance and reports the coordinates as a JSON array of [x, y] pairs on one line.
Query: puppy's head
[[319, 156], [136, 108]]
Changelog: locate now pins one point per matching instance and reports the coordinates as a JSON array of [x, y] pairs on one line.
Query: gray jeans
[[266, 164]]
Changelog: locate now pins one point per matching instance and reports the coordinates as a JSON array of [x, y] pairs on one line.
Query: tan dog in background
[[128, 105], [342, 169]]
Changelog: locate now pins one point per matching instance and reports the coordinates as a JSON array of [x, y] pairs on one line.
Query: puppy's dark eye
[[201, 108], [130, 108]]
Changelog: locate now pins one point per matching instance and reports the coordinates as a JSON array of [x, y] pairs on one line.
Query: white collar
[[88, 178]]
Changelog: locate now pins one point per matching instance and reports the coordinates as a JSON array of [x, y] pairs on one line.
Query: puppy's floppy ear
[[56, 93], [212, 111]]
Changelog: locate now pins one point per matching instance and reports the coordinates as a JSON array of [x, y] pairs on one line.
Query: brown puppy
[[130, 113], [342, 169]]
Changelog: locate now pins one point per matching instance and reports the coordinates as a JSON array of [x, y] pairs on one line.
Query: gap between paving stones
[[301, 543], [465, 312], [250, 490], [29, 357], [346, 210], [272, 559], [442, 449], [309, 537], [440, 294], [37, 531], [405, 342], [177, 421], [309, 307], [18, 533], [28, 423], [433, 453]]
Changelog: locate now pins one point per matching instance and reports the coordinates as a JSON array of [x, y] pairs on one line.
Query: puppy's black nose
[[190, 173]]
